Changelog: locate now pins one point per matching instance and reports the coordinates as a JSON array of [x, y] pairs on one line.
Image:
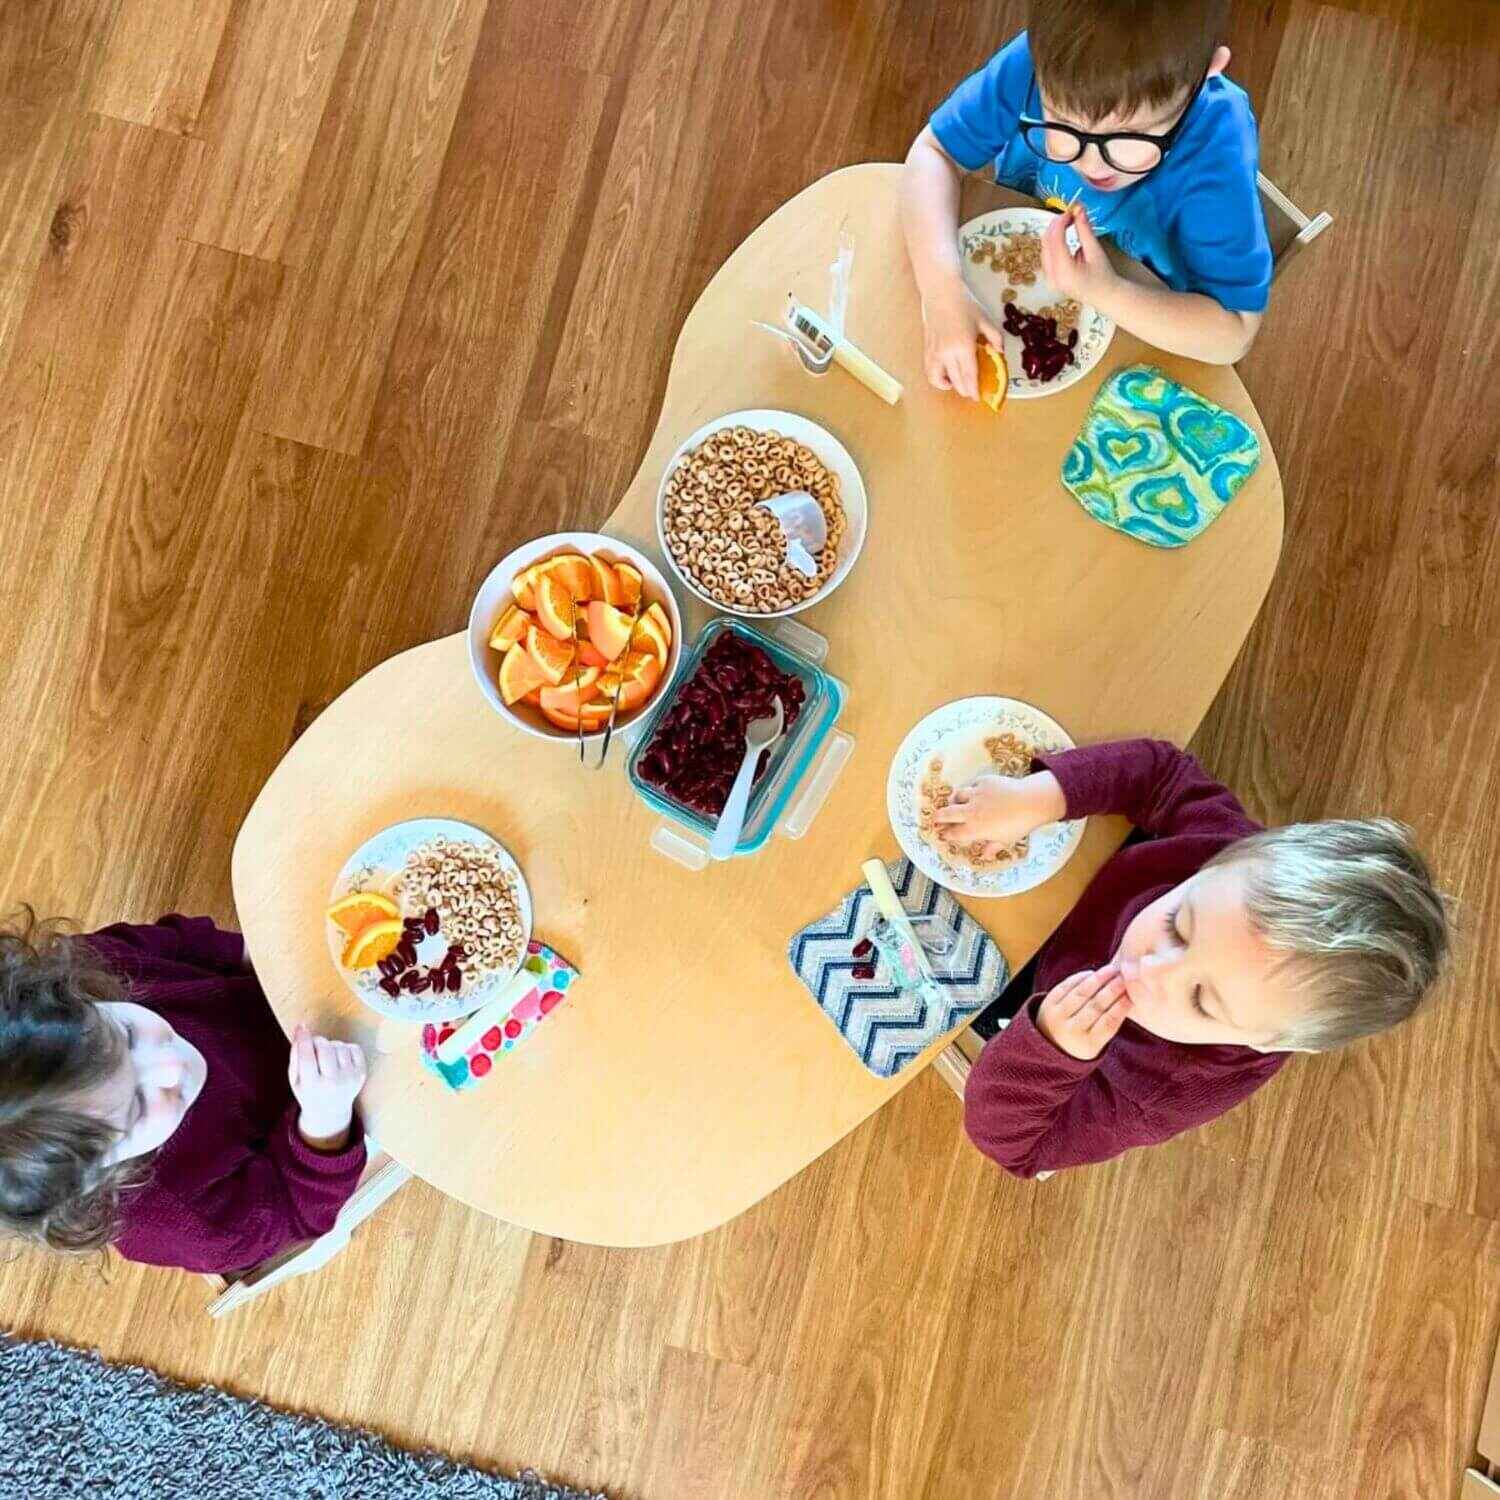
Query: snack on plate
[[1009, 755], [1016, 254], [577, 638], [473, 897], [730, 547]]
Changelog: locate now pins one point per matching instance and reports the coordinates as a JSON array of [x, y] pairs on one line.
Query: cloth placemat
[[1157, 461], [885, 1026], [554, 976]]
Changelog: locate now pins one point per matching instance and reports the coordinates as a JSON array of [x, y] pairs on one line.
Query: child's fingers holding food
[[303, 1062]]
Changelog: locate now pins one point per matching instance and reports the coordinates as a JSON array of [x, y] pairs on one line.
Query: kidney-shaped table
[[689, 1073]]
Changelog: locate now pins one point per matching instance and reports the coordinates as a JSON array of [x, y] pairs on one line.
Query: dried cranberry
[[390, 986], [864, 971], [861, 948], [430, 922], [455, 981]]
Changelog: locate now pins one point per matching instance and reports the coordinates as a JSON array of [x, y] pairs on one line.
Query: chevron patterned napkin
[[888, 1025]]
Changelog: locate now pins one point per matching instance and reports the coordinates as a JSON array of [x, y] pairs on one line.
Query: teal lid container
[[791, 757]]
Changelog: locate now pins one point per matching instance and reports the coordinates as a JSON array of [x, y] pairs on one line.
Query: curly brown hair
[[56, 1186]]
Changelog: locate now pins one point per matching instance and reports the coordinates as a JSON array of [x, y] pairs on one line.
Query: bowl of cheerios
[[726, 547]]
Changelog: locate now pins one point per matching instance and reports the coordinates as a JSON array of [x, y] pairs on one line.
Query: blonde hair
[[1353, 905]]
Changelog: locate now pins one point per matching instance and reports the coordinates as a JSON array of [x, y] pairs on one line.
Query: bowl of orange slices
[[568, 625]]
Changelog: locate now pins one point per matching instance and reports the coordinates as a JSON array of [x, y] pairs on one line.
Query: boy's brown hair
[[1099, 57]]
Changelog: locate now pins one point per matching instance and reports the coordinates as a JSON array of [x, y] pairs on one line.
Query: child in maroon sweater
[[1198, 959], [149, 1099]]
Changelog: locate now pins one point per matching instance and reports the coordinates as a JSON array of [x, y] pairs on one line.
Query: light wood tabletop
[[689, 1073]]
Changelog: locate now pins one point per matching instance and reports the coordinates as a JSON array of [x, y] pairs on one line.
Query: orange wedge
[[607, 582], [574, 572], [555, 607], [365, 949], [509, 628], [590, 655], [649, 636], [553, 657], [994, 375], [570, 698], [360, 909], [522, 586], [519, 674], [630, 585], [594, 718]]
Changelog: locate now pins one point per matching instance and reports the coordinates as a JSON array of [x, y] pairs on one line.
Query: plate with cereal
[[948, 749], [725, 546], [1051, 342], [428, 918]]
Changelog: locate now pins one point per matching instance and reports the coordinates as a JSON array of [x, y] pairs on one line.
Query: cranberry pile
[[401, 973], [1044, 356], [700, 741]]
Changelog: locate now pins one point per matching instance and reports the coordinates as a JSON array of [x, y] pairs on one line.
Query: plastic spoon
[[804, 526], [759, 733]]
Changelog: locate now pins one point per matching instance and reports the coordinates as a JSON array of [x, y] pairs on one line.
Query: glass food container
[[791, 757]]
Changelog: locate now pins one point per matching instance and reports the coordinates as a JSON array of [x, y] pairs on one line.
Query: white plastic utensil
[[804, 526], [759, 734]]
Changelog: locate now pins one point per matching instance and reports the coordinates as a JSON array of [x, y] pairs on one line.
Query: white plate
[[832, 454], [1094, 329], [495, 595], [374, 866], [1051, 847]]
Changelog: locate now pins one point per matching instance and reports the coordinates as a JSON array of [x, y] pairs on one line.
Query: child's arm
[[952, 318], [193, 940], [1187, 323], [1033, 1106]]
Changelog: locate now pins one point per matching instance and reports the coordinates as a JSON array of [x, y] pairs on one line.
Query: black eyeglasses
[[1129, 151]]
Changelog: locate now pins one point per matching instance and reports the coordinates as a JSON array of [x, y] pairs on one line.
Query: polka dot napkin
[[554, 976]]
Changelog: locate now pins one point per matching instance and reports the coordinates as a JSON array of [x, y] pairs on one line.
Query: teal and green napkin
[[1157, 461]]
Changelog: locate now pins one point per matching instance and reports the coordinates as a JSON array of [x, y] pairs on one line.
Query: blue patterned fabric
[[887, 1026], [1156, 460]]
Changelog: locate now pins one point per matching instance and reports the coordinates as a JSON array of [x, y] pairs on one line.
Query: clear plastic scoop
[[804, 526]]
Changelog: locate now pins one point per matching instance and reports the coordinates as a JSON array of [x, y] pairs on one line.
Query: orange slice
[[994, 375], [609, 630], [519, 674], [607, 581], [359, 909], [593, 718], [553, 657], [649, 636], [590, 655], [570, 698], [522, 586], [365, 949], [509, 628], [630, 585], [574, 572], [555, 607]]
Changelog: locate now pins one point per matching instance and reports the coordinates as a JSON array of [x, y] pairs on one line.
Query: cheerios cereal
[[724, 541]]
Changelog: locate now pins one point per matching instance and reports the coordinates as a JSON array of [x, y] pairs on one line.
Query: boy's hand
[[1087, 276], [952, 321], [325, 1076], [1082, 1014], [1000, 810]]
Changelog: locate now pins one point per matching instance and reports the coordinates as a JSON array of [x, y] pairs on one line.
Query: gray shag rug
[[72, 1425]]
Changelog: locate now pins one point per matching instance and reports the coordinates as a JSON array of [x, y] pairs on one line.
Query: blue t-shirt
[[1195, 220]]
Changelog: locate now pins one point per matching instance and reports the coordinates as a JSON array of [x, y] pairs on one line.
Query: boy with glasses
[[1117, 112]]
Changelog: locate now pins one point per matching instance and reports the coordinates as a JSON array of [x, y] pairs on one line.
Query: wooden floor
[[308, 311]]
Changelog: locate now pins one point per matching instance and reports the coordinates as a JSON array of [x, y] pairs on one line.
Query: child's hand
[[952, 321], [1000, 810], [326, 1077], [1087, 276], [1082, 1014]]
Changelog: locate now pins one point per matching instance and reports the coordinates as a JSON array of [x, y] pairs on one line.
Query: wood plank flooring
[[310, 311]]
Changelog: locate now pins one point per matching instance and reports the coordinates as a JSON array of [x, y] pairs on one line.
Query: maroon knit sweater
[[235, 1183], [1031, 1106]]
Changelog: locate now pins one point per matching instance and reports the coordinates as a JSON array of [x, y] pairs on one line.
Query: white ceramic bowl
[[831, 453], [495, 595]]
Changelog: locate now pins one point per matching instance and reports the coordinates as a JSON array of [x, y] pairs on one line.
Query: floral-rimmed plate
[[953, 728], [988, 284], [376, 866]]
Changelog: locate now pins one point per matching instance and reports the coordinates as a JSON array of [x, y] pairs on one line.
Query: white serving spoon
[[804, 526], [759, 733]]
